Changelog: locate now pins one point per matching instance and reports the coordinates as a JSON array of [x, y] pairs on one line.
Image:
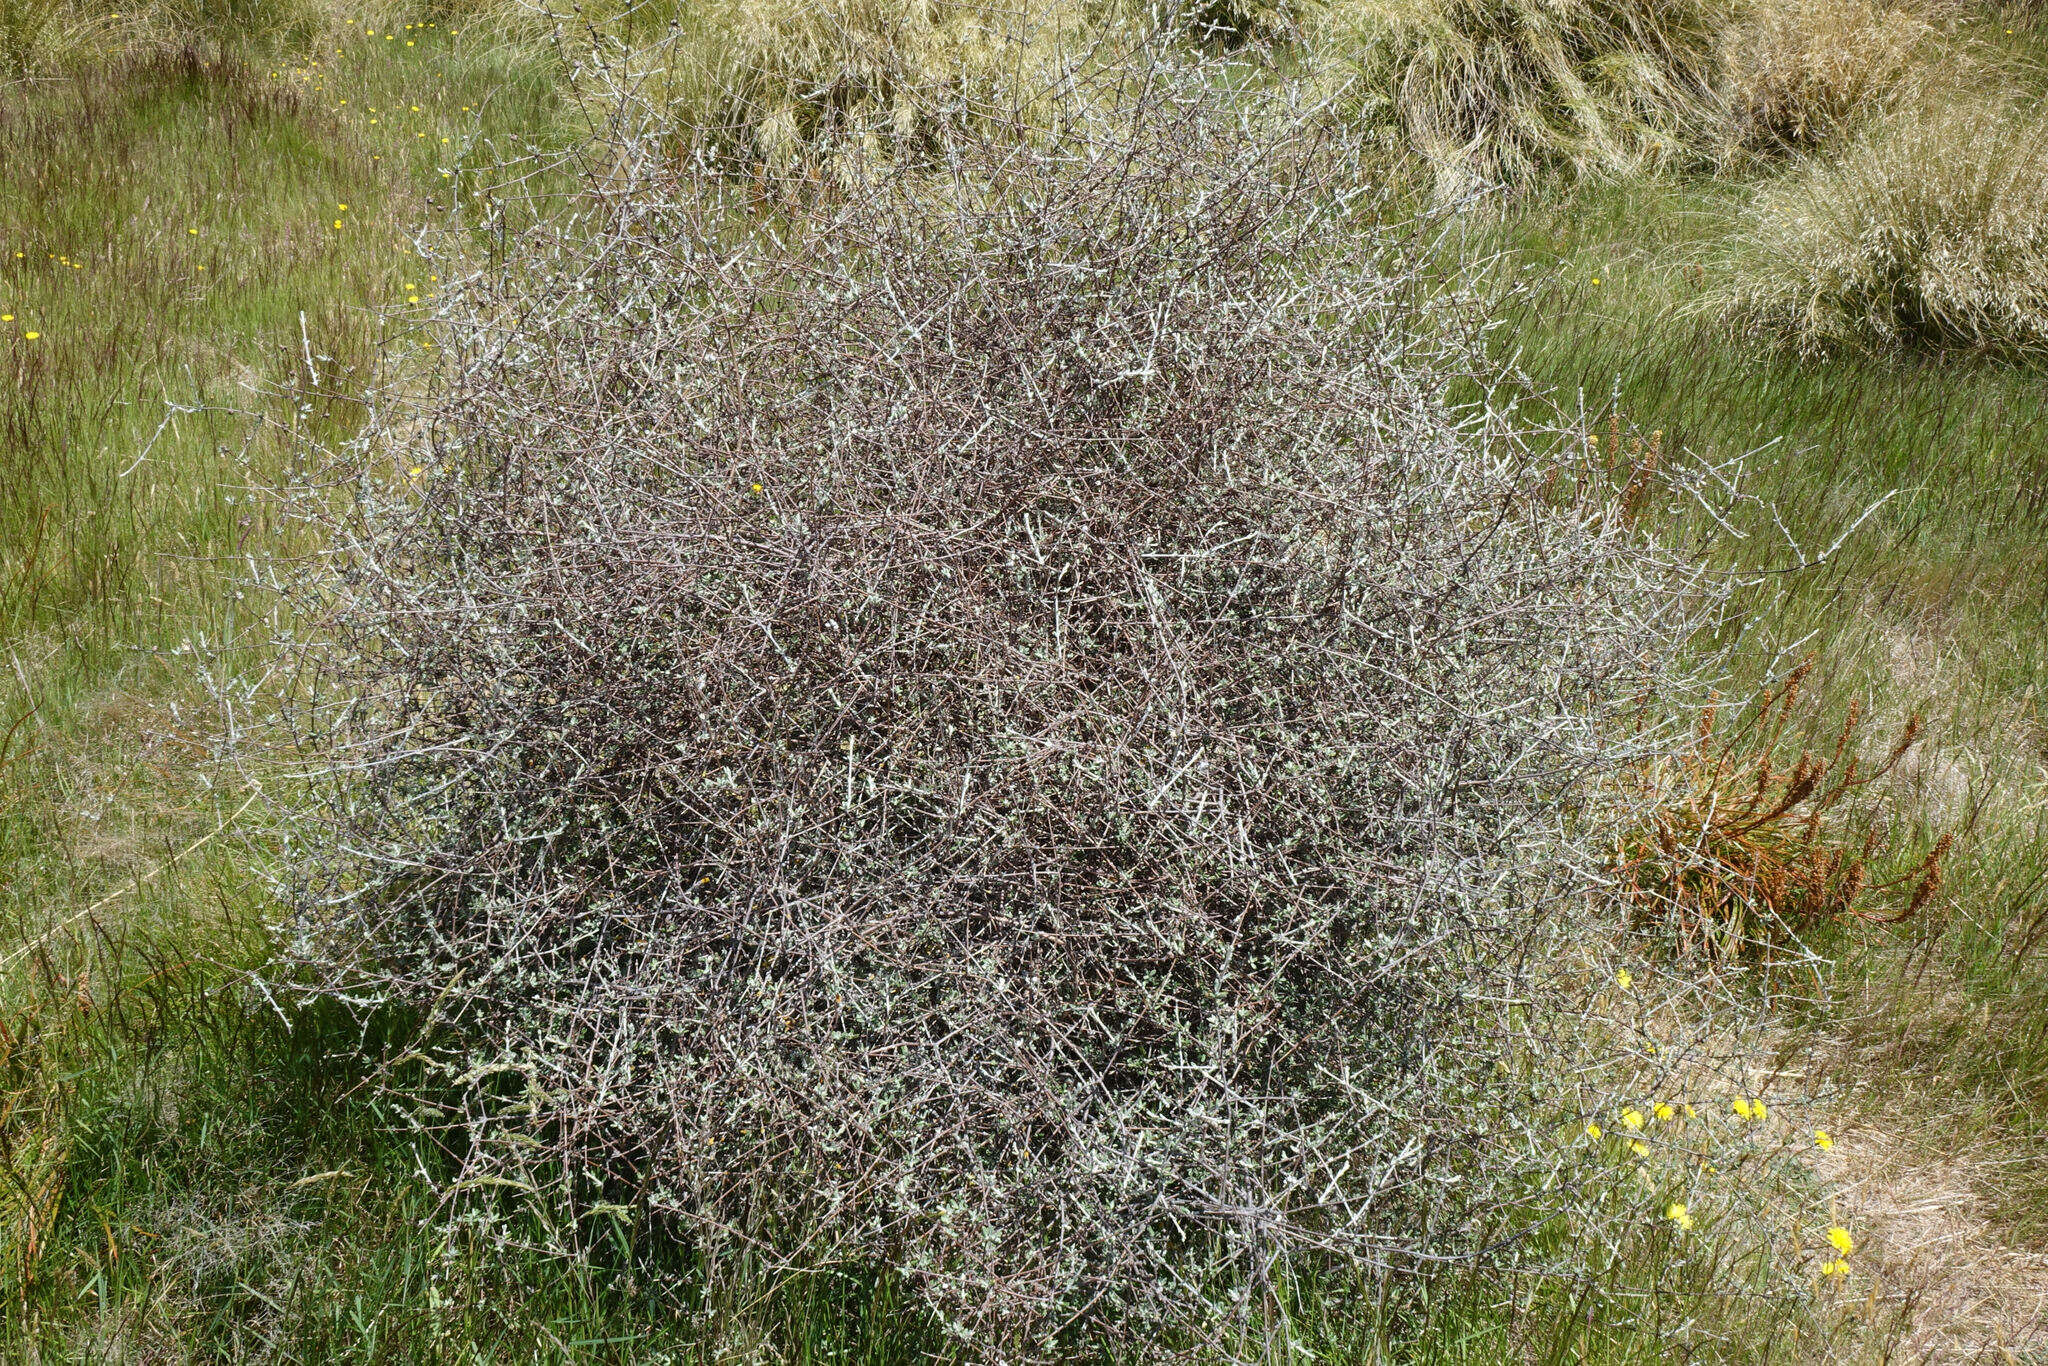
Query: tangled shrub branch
[[990, 716]]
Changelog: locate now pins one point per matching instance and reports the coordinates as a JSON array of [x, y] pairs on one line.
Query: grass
[[186, 1175], [1938, 603]]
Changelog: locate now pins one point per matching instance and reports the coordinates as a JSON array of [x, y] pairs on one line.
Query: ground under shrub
[[988, 717], [1929, 229]]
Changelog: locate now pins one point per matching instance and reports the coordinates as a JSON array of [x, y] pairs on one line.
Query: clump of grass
[[1493, 92], [1800, 71], [1751, 847], [23, 26], [764, 80], [1929, 229]]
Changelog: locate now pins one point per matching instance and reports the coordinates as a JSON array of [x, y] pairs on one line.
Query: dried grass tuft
[[1505, 92], [1801, 71], [1928, 229]]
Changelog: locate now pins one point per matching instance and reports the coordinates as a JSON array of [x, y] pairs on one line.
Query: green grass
[[187, 1175], [1937, 604]]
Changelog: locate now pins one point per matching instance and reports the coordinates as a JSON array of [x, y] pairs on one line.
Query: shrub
[[1930, 228], [991, 719], [1502, 91], [1800, 71]]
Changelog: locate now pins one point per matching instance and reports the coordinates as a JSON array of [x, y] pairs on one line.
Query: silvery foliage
[[1004, 711]]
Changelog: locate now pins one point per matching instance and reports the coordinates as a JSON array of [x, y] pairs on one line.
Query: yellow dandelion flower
[[1742, 1107], [1638, 1147], [1690, 1113], [1843, 1243], [1758, 1106], [337, 222], [193, 231], [412, 298], [1834, 1268], [1625, 979], [1822, 1141], [757, 488], [1592, 1130], [1632, 1118], [1596, 279], [31, 335], [1679, 1215], [1662, 1110], [6, 317], [414, 472]]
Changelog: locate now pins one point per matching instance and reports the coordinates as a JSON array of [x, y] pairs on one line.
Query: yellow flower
[[1623, 976], [31, 335], [1592, 1130], [1638, 1147], [1632, 1118], [6, 317], [1843, 1243], [1596, 279], [337, 222], [1834, 1268], [757, 488], [1822, 1141], [1742, 1107], [1662, 1110], [414, 472], [1678, 1215], [1758, 1106]]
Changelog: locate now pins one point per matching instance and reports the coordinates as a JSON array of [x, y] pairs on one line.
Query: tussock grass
[[1929, 229], [1801, 71], [764, 80], [1506, 92]]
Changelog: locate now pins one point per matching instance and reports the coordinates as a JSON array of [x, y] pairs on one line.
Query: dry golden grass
[[1931, 1253], [1799, 71], [765, 79], [1502, 91], [1929, 228]]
